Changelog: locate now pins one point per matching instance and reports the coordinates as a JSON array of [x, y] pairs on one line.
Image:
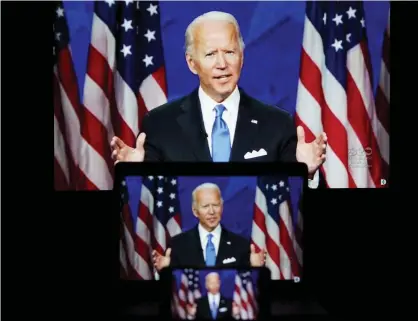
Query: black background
[[59, 250]]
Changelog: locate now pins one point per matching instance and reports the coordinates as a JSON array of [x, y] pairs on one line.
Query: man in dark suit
[[218, 121], [213, 305], [208, 243]]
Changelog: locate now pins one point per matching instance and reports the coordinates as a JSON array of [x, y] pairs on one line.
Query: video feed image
[[211, 294], [320, 66], [228, 221]]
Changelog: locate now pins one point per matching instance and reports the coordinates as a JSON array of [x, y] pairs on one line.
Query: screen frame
[[286, 289], [167, 278]]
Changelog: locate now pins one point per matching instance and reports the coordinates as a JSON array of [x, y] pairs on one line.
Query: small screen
[[215, 294]]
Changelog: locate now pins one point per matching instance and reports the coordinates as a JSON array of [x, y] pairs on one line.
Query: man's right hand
[[123, 153], [161, 261], [191, 309]]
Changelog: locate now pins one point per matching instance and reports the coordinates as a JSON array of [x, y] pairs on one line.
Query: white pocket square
[[253, 154], [223, 309], [230, 260]]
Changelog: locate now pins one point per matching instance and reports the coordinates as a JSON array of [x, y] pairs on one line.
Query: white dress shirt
[[215, 239], [216, 297], [230, 116]]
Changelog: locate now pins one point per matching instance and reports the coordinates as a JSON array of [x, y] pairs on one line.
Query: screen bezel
[[167, 278], [279, 288]]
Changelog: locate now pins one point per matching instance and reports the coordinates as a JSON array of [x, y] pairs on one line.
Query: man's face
[[216, 58], [208, 208], [213, 283]]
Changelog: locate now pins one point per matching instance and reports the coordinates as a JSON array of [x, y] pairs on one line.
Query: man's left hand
[[312, 154], [257, 259]]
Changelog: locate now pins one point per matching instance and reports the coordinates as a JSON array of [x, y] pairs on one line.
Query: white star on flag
[[127, 24], [351, 13], [173, 182], [60, 12], [150, 35], [152, 9], [160, 190], [159, 203], [126, 50], [110, 2], [172, 196], [348, 36], [337, 45], [338, 19]]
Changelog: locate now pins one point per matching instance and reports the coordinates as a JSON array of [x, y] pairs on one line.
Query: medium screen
[[255, 220]]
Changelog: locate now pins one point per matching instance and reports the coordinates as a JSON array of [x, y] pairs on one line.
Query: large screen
[[325, 63], [254, 221]]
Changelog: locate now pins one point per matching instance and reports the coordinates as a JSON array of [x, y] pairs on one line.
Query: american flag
[[132, 264], [125, 78], [245, 296], [67, 108], [188, 292], [335, 95], [158, 219], [273, 228], [383, 88]]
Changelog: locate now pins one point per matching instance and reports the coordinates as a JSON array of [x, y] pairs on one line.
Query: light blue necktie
[[213, 309], [221, 142], [210, 252]]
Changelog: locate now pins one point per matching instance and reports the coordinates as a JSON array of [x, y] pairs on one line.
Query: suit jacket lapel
[[245, 131], [222, 250], [191, 122], [198, 248]]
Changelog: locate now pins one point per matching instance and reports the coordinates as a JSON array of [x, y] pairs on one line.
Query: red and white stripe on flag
[[274, 231], [335, 95], [119, 88], [244, 296]]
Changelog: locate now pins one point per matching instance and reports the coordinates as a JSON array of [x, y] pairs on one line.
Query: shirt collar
[[204, 233], [231, 103]]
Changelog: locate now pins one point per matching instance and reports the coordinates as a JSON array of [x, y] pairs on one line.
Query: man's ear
[[194, 210], [190, 63]]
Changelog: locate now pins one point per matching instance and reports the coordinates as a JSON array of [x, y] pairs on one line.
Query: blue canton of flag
[[276, 191], [123, 19], [165, 193], [61, 33], [150, 50], [341, 25]]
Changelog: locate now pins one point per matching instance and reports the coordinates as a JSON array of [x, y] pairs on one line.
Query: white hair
[[205, 186], [211, 16], [212, 274]]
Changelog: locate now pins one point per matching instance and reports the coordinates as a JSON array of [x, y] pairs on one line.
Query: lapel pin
[[229, 243], [254, 121]]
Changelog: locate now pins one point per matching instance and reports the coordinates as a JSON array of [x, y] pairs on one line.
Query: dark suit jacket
[[175, 132], [186, 249], [203, 311]]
